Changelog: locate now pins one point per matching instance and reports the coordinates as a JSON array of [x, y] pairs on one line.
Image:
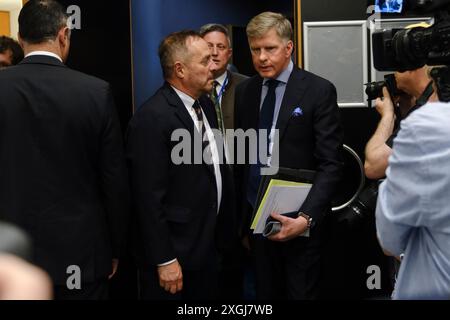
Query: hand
[[115, 265], [171, 277], [290, 227], [384, 106], [20, 280]]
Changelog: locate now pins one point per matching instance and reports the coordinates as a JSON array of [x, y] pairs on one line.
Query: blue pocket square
[[297, 112]]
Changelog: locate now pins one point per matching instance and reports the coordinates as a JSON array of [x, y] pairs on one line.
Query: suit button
[[214, 206]]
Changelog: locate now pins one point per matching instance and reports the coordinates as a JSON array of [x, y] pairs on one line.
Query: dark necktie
[[206, 148], [215, 99], [265, 123]]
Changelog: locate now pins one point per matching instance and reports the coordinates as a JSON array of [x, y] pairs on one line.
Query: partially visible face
[[220, 50], [6, 59], [411, 81], [270, 54], [199, 68], [403, 79]]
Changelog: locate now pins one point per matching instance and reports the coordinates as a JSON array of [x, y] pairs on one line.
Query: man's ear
[[64, 35], [179, 69], [19, 38], [290, 47], [230, 53]]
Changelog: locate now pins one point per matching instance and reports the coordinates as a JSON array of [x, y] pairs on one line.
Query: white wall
[[14, 16]]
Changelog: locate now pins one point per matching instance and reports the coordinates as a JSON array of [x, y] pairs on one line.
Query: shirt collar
[[187, 100], [44, 53], [284, 76], [221, 79]]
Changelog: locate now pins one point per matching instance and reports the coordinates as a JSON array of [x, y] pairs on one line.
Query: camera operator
[[418, 89], [412, 215]]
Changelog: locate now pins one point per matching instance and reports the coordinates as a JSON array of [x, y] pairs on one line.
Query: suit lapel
[[295, 90], [227, 101], [254, 94], [181, 112], [174, 100]]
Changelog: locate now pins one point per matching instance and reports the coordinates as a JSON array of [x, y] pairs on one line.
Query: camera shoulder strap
[[425, 95]]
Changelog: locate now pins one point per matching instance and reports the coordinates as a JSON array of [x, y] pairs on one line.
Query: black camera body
[[410, 49], [375, 89]]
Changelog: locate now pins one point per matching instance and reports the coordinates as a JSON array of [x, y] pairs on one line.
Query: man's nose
[[262, 56], [212, 66]]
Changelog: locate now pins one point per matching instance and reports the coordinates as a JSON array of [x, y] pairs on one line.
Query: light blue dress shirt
[[413, 209]]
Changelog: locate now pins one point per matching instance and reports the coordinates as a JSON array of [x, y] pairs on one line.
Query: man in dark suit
[[225, 81], [62, 167], [303, 108], [182, 202]]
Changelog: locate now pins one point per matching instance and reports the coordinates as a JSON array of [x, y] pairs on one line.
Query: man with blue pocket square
[[303, 108]]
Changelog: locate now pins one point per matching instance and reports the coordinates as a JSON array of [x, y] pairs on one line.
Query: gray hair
[[173, 47], [211, 27], [264, 22]]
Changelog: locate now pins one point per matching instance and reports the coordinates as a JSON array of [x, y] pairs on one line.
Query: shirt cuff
[[166, 263]]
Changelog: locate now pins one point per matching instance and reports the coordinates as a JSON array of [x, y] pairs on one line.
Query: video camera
[[410, 49], [375, 89]]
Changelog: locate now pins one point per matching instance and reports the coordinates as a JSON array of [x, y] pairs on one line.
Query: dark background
[[103, 48]]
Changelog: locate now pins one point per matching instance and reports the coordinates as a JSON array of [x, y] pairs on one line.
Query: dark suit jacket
[[228, 98], [311, 141], [175, 206], [62, 166]]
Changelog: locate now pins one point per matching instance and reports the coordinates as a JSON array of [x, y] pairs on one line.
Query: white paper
[[281, 199]]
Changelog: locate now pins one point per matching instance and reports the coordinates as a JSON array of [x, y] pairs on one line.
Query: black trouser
[[232, 269], [89, 291], [287, 270]]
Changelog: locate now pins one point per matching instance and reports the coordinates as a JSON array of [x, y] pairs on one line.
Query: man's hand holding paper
[[290, 227], [278, 210]]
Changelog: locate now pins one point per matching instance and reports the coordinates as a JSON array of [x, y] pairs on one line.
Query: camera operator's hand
[[377, 151], [385, 106]]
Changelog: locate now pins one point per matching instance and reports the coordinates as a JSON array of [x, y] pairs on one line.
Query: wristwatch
[[308, 219]]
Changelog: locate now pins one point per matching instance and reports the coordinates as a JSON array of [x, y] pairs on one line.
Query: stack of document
[[281, 196]]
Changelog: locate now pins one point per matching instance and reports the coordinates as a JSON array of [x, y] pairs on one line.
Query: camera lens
[[375, 90]]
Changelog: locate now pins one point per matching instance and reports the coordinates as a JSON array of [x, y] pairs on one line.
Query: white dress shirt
[[188, 102]]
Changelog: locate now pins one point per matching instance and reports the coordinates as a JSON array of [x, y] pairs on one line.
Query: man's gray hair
[[175, 46], [264, 22], [211, 27]]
